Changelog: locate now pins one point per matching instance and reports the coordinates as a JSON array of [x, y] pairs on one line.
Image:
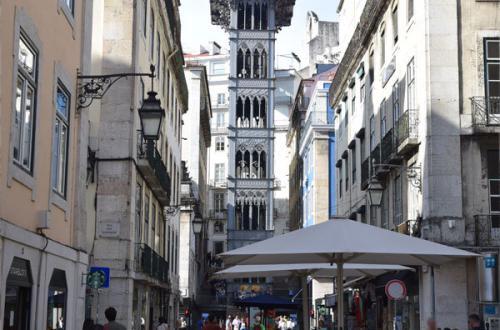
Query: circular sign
[[96, 279], [395, 290]]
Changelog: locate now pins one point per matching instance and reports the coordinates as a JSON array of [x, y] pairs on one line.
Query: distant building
[[196, 142]]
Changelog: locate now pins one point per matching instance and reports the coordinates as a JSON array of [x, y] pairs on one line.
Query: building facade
[[212, 294], [136, 183], [42, 175], [416, 102], [194, 193]]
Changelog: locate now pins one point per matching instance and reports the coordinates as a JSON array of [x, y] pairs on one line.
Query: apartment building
[[212, 295], [42, 173], [136, 178], [196, 142], [416, 102]]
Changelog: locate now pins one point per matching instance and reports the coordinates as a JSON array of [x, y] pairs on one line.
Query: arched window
[[263, 113], [239, 112], [240, 164], [247, 113], [218, 227], [239, 63], [247, 64], [262, 165], [248, 16], [263, 61], [255, 112], [254, 169], [257, 16], [264, 16], [57, 299], [241, 16], [256, 64]]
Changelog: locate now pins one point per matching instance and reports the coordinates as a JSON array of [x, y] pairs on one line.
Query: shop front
[[18, 292]]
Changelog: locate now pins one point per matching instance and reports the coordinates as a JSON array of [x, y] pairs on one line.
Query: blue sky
[[197, 29]]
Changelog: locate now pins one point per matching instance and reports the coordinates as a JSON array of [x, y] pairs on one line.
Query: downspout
[[39, 275]]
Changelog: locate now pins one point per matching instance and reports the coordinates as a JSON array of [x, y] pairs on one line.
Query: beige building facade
[[42, 258], [416, 98]]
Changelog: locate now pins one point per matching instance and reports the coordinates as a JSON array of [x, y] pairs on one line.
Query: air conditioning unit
[[44, 220]]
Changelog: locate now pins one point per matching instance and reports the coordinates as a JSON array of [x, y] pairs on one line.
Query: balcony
[[153, 170], [487, 229], [407, 131], [388, 151], [365, 173], [316, 118], [485, 111], [219, 129], [150, 263]]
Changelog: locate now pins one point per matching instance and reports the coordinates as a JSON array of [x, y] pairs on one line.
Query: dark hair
[[110, 314], [162, 319], [474, 317], [211, 318], [98, 327]]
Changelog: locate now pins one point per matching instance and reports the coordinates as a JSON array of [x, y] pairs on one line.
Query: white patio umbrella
[[315, 270], [342, 241]]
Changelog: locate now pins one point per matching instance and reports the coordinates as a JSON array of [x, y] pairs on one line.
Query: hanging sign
[[395, 290]]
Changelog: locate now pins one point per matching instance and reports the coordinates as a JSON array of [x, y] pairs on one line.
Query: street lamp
[[151, 114], [197, 225], [375, 191]]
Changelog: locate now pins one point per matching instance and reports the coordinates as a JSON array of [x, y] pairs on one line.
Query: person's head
[[474, 320], [431, 324], [161, 320], [110, 314], [229, 317]]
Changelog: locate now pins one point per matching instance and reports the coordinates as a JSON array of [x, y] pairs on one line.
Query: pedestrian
[[290, 324], [243, 325], [182, 323], [258, 323], [162, 324], [88, 324], [236, 322], [110, 314], [282, 323], [229, 322], [211, 324], [431, 324], [475, 322]]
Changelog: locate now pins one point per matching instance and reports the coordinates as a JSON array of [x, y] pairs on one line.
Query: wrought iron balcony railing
[[153, 169], [149, 262], [218, 214], [387, 147], [407, 130], [485, 111]]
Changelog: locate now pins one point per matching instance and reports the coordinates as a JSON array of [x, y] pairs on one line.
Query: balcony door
[[492, 79], [494, 191]]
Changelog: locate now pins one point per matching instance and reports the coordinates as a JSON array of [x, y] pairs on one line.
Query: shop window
[[17, 309], [57, 299]]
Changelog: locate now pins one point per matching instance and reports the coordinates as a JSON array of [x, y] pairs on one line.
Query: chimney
[[215, 48]]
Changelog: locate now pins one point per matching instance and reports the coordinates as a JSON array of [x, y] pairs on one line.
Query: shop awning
[[267, 301]]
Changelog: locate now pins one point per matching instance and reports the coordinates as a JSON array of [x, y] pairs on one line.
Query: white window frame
[[220, 143], [60, 143], [220, 172]]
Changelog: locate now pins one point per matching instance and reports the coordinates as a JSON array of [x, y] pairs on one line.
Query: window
[[219, 202], [138, 212], [219, 143], [158, 56], [395, 24], [221, 98], [493, 159], [220, 120], [410, 78], [220, 173], [371, 69], [347, 173], [410, 8], [346, 114], [23, 135], [57, 300], [152, 35], [382, 47], [341, 174], [146, 219], [153, 223], [218, 247], [396, 110], [383, 118], [492, 73], [218, 227], [60, 142], [164, 76], [362, 93], [384, 210], [353, 164], [218, 68], [145, 17], [372, 132], [398, 202], [71, 5]]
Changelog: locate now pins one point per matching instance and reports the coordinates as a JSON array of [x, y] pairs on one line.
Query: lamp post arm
[[92, 87]]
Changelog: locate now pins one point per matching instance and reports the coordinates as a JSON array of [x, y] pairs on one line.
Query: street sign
[[395, 290], [98, 277]]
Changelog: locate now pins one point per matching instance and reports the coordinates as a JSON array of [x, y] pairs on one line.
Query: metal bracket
[[92, 87]]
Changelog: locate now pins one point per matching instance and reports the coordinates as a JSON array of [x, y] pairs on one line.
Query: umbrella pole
[[305, 303], [340, 295]]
